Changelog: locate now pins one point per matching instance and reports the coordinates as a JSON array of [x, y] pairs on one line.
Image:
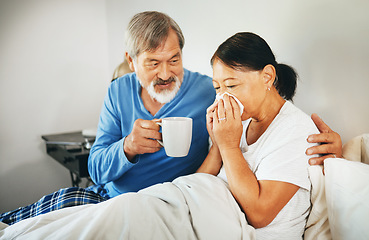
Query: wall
[[53, 77], [57, 57]]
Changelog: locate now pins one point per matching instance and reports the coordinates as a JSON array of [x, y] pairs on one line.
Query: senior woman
[[259, 150]]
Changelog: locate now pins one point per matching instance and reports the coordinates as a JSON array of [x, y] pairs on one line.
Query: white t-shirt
[[279, 154]]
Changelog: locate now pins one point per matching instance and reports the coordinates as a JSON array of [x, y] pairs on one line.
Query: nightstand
[[71, 150]]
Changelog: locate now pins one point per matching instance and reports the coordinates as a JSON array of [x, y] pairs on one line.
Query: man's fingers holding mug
[[146, 129], [148, 146], [149, 124]]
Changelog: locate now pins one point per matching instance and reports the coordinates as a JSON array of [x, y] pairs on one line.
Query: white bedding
[[197, 206]]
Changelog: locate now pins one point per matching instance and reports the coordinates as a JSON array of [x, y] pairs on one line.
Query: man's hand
[[142, 139], [331, 144]]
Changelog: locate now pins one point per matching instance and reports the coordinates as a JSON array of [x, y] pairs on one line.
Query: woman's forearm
[[261, 201], [241, 179], [212, 162]]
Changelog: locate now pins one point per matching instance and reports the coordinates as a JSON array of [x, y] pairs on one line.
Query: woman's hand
[[209, 121], [226, 123]]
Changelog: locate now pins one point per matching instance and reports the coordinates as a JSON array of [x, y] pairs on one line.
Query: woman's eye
[[231, 86]]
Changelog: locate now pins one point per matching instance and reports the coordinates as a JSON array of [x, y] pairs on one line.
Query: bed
[[200, 206]]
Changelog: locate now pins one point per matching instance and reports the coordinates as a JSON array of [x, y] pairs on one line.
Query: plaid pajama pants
[[66, 197]]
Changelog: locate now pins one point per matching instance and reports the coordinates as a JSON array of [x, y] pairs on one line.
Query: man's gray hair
[[147, 30]]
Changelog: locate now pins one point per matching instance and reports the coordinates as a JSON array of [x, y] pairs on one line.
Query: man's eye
[[231, 86], [153, 65]]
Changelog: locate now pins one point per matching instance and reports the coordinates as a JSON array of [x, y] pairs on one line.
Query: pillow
[[365, 148], [317, 226], [352, 149], [347, 193], [357, 149]]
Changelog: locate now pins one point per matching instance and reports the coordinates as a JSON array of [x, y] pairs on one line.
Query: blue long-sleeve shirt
[[108, 165]]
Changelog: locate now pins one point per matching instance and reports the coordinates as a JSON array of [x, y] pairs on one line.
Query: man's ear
[[130, 62], [269, 74]]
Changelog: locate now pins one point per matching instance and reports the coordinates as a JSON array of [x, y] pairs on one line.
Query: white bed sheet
[[198, 206]]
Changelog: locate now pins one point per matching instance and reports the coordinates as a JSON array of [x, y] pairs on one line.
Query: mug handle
[[160, 142]]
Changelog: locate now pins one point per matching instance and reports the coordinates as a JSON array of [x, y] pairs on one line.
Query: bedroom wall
[[52, 50], [327, 42], [53, 77]]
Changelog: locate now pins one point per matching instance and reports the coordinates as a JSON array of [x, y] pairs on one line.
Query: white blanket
[[198, 206]]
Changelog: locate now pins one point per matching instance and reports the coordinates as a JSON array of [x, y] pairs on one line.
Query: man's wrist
[[129, 155]]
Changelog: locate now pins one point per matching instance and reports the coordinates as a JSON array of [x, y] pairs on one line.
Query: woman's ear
[[130, 62], [269, 74]]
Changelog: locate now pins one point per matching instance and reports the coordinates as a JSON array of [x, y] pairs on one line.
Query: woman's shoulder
[[292, 120], [293, 115]]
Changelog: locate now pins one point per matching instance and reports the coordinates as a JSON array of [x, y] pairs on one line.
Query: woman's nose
[[221, 91]]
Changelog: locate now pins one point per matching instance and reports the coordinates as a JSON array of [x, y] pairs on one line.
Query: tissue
[[220, 96]]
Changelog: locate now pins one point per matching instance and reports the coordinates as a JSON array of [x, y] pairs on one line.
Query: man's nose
[[164, 72]]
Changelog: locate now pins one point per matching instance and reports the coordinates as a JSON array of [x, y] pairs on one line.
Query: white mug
[[176, 135]]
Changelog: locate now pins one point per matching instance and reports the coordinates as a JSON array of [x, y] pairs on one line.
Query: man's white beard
[[163, 96]]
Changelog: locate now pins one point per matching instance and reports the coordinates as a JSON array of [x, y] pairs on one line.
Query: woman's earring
[[268, 88]]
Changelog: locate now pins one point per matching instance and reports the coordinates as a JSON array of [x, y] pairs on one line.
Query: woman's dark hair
[[249, 52]]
